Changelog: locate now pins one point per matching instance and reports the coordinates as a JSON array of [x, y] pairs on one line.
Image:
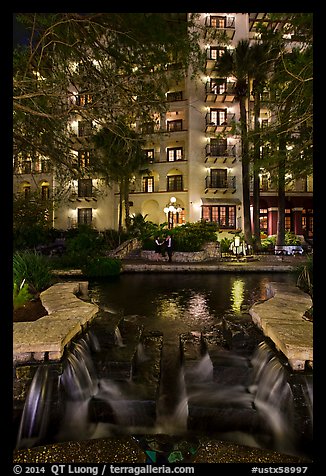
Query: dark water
[[175, 303]]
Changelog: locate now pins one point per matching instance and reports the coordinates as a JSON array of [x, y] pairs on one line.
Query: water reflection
[[186, 302], [198, 306], [237, 295]]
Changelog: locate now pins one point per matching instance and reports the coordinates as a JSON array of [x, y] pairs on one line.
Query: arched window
[[45, 191]]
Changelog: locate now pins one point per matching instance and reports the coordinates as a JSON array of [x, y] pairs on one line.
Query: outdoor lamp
[[237, 241], [171, 209]]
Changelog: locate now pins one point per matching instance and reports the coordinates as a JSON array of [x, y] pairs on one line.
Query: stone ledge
[[47, 337], [280, 319]]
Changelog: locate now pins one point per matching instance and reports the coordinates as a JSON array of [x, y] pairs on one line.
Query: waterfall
[[249, 401], [79, 379], [168, 422], [33, 423], [273, 398], [118, 337]]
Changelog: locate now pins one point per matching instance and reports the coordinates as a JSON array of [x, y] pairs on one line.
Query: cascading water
[[273, 399], [34, 419], [244, 399]]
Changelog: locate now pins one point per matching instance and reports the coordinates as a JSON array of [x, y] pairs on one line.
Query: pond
[[206, 368], [181, 302]]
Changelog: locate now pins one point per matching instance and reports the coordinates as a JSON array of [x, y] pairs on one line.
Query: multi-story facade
[[194, 157]]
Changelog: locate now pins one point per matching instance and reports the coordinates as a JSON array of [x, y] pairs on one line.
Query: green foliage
[[84, 243], [268, 243], [305, 276], [225, 244], [21, 295], [31, 224], [188, 237], [32, 267], [144, 230], [96, 42], [30, 236], [192, 236], [101, 267], [290, 239]]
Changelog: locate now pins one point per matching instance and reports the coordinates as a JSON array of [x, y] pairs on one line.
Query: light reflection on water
[[175, 303], [237, 295]]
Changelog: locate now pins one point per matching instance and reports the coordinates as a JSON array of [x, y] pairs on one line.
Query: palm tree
[[119, 155], [262, 56], [237, 63]]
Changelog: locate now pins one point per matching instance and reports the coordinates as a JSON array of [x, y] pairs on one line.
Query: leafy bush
[[188, 237], [289, 239], [83, 244], [225, 244], [305, 276], [21, 295], [268, 243], [101, 267], [192, 236], [144, 230], [32, 267]]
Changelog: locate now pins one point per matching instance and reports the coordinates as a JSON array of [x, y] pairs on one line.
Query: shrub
[[32, 267], [21, 295], [101, 267], [305, 276], [82, 244], [225, 244], [188, 237]]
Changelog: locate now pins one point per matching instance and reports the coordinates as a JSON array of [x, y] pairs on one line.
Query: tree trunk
[[245, 172], [285, 119], [280, 239], [126, 200], [256, 182], [120, 211]]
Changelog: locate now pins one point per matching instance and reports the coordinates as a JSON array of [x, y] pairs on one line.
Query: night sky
[[19, 32]]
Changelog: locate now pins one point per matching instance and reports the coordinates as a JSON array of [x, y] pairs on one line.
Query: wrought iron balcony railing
[[228, 184]]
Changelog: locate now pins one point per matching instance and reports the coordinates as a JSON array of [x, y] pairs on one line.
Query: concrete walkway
[[47, 337], [249, 264], [280, 319]]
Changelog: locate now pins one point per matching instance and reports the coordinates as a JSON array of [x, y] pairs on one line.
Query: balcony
[[258, 19], [75, 197], [85, 191], [213, 54], [220, 23], [220, 91], [255, 19], [220, 185], [165, 127], [219, 125], [32, 167], [174, 96], [220, 152]]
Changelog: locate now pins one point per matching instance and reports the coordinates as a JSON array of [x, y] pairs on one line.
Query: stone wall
[[210, 251]]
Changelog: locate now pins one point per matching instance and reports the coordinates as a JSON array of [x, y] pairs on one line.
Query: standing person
[[158, 245], [168, 245]]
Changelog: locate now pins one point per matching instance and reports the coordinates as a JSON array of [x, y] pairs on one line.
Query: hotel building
[[194, 157]]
